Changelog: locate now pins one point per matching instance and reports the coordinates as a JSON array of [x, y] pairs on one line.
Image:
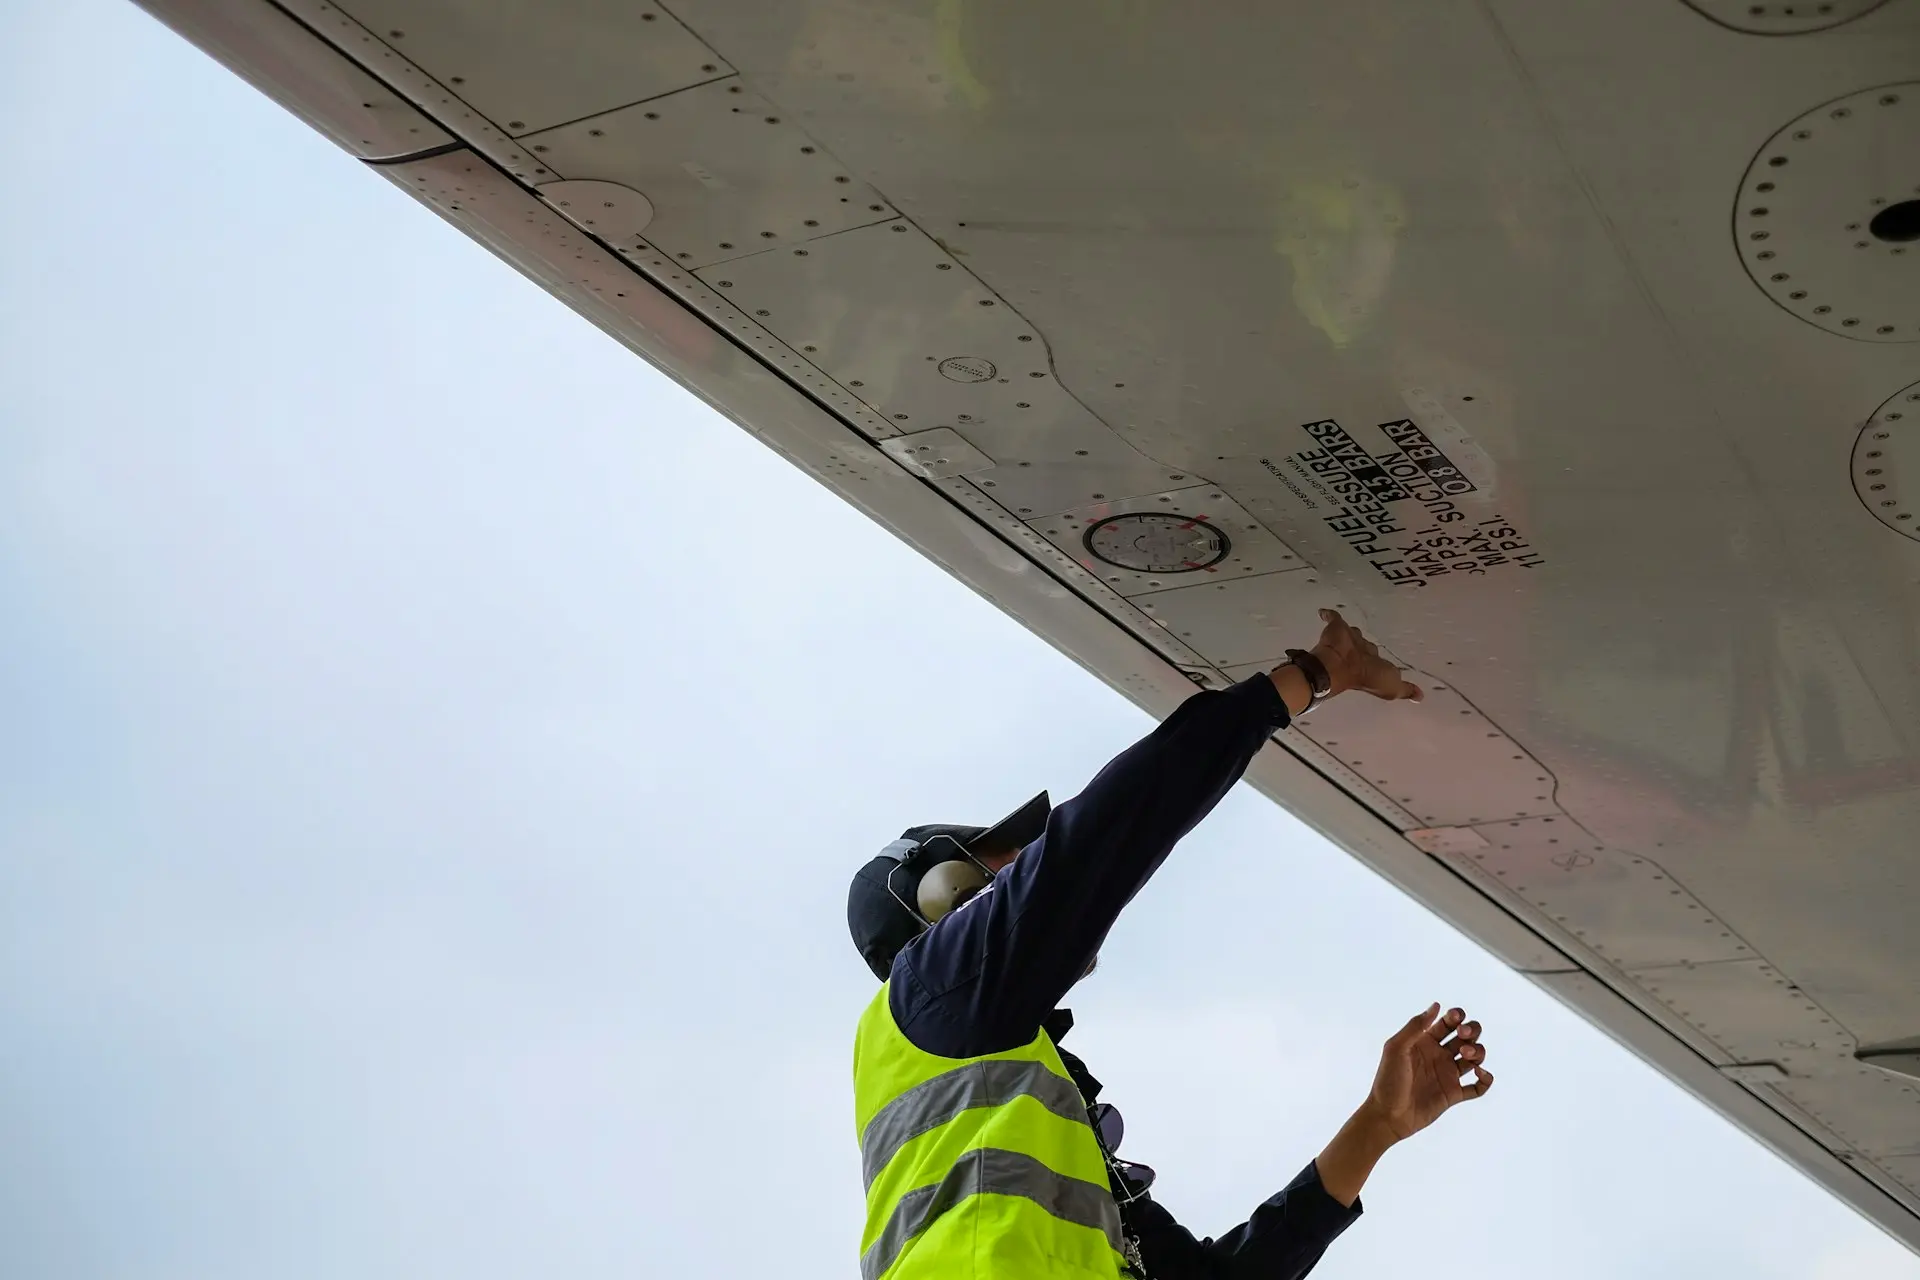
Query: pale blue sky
[[433, 748]]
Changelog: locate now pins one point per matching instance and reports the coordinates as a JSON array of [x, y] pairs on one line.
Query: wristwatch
[[1315, 672]]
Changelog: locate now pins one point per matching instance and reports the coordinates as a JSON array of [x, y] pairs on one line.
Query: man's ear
[[948, 884]]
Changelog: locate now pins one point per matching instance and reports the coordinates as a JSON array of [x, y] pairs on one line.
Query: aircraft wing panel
[[1164, 328]]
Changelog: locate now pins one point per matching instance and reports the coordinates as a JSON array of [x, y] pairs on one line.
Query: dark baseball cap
[[880, 922]]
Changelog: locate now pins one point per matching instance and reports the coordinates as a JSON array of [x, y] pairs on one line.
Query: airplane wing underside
[[1571, 347]]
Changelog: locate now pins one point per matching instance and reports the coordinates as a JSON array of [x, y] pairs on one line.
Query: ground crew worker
[[985, 1149]]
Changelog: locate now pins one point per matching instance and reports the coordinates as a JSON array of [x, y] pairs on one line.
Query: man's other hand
[[1418, 1080], [1421, 1069], [1354, 662]]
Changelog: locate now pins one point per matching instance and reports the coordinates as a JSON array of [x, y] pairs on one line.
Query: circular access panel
[[1776, 19], [1157, 542], [967, 369], [1828, 221], [1886, 462]]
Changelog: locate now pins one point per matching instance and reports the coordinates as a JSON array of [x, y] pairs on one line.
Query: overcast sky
[[433, 748]]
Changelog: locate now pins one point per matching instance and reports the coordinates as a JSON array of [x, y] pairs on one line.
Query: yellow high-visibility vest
[[977, 1168]]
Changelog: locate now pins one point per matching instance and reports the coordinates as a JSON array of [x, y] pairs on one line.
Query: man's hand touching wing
[[1351, 661], [1354, 662]]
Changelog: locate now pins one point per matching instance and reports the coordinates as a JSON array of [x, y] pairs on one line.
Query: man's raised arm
[[983, 979]]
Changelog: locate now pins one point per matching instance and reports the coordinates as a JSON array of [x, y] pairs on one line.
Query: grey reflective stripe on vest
[[932, 1103], [989, 1171]]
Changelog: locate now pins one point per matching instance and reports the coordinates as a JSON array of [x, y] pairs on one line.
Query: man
[[985, 1150]]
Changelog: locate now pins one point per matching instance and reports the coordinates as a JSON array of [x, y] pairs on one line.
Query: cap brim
[[1015, 831]]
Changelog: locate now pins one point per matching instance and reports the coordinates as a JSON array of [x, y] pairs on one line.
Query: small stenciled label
[[1401, 510]]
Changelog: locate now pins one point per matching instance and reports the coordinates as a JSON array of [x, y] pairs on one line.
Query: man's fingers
[[1444, 1024], [1361, 656], [1482, 1081], [1467, 1034], [1468, 1055], [1418, 1023]]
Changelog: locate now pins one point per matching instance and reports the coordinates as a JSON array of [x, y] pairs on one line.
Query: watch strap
[[1314, 670]]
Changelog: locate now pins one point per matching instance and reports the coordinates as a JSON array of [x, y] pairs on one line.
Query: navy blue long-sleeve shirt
[[988, 976]]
